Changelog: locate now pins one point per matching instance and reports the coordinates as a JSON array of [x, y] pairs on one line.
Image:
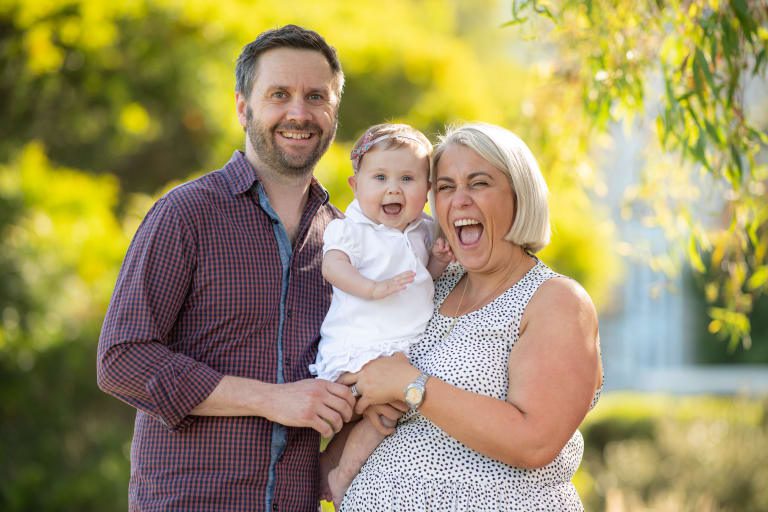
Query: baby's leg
[[329, 458], [362, 441]]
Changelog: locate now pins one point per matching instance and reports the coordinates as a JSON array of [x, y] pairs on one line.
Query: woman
[[509, 364]]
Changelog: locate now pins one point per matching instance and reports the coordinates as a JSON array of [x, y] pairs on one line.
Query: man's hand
[[387, 287], [315, 403]]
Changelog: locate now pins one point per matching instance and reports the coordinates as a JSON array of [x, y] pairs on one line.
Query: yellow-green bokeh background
[[108, 104]]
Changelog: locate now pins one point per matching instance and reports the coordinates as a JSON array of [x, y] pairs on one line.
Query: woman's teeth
[[469, 231]]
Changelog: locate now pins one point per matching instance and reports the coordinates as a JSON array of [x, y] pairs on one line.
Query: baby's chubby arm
[[339, 271], [440, 258]]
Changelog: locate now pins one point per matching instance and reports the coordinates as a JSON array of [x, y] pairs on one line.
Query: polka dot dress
[[420, 467]]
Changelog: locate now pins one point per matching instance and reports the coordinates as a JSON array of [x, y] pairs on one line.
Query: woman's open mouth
[[468, 231]]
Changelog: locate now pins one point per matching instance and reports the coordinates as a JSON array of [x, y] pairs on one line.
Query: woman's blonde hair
[[507, 152]]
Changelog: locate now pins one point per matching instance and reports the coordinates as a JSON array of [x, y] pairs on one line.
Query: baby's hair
[[388, 136]]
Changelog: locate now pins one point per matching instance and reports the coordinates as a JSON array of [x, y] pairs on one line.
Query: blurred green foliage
[[672, 454], [105, 104], [63, 445], [692, 62]]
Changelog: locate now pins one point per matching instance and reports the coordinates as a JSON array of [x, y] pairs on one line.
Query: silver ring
[[355, 392]]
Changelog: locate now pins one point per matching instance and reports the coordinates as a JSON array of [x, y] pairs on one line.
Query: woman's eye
[[440, 188]]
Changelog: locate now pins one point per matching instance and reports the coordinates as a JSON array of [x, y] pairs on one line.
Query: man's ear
[[241, 105]]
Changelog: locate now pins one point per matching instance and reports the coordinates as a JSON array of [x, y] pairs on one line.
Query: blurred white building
[[647, 339]]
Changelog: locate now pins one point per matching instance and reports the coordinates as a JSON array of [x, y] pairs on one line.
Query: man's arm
[[315, 403], [136, 366]]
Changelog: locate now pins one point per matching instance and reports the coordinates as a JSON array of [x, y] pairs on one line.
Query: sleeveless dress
[[421, 468]]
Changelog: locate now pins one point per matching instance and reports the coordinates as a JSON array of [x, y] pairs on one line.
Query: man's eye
[[279, 95]]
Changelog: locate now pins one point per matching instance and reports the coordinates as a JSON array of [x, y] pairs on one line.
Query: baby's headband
[[368, 142]]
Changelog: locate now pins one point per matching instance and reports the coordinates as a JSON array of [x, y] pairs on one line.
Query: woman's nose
[[461, 197]]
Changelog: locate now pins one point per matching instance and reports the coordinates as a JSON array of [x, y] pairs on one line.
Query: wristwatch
[[414, 393]]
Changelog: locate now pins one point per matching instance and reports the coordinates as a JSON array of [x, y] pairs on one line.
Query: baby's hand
[[442, 252], [392, 285]]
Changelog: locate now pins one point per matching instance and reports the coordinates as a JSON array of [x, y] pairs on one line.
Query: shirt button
[[274, 506]]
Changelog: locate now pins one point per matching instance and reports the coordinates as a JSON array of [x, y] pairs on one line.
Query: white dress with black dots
[[420, 467]]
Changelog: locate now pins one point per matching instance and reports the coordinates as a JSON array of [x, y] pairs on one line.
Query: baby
[[378, 261]]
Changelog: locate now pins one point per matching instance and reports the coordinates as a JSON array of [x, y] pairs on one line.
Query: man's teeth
[[296, 135], [465, 222]]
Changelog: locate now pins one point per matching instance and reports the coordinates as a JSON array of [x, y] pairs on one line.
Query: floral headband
[[368, 142]]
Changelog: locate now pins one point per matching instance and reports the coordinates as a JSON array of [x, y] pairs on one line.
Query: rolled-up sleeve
[[135, 363]]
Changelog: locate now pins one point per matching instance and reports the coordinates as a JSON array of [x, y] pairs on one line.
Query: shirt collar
[[242, 176], [355, 214]]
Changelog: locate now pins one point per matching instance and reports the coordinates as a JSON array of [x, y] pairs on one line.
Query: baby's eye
[[407, 178], [380, 177]]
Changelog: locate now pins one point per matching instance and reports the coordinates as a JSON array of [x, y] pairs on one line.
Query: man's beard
[[269, 153]]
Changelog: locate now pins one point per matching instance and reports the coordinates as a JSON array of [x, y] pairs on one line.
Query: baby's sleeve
[[340, 236]]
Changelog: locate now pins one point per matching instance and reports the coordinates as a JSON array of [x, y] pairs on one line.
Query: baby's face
[[391, 185]]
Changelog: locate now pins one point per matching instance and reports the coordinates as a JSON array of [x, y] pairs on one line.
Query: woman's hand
[[381, 381]]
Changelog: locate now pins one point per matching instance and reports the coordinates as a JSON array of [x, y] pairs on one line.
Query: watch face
[[413, 396]]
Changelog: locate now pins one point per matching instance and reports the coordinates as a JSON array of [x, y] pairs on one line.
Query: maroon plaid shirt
[[197, 298]]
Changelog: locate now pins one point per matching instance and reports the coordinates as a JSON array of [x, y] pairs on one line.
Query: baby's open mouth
[[392, 208]]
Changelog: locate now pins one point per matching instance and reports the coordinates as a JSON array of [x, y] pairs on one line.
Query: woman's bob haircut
[[508, 153]]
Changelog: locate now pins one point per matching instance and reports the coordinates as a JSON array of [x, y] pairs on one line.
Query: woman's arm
[[553, 374], [338, 270]]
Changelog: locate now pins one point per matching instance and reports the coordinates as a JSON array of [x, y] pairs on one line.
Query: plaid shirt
[[198, 297]]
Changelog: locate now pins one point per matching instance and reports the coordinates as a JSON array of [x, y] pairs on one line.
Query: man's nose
[[297, 110]]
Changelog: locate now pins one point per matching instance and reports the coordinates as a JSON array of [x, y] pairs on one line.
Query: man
[[218, 305]]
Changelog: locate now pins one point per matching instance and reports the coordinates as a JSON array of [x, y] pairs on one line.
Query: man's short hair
[[508, 153], [289, 36]]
